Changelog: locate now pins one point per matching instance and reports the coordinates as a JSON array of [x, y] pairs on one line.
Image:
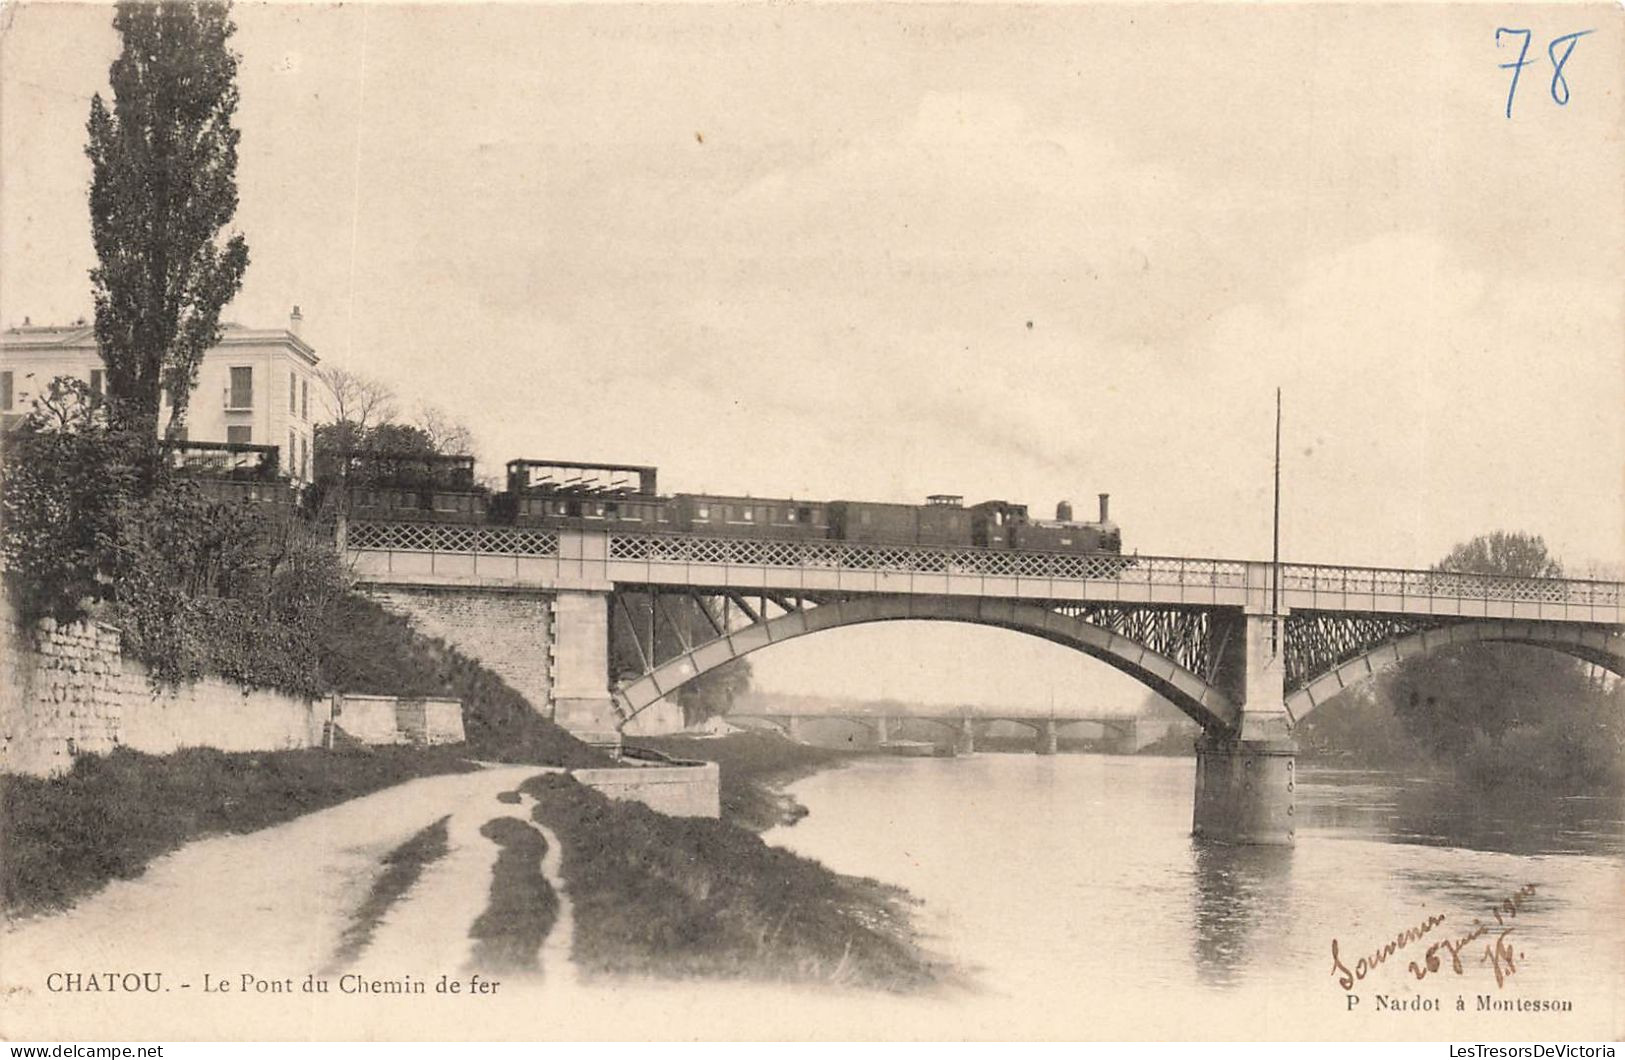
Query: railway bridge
[[1121, 729], [1245, 648]]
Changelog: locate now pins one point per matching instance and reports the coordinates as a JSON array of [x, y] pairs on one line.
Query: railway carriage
[[572, 494], [409, 487], [567, 493], [762, 518]]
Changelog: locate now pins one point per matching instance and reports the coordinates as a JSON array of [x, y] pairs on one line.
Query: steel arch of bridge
[[1171, 650], [1327, 653]]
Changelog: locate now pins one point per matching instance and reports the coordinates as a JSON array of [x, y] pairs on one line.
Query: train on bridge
[[577, 495]]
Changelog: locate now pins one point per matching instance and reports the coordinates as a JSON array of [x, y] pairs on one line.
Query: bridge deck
[[523, 558]]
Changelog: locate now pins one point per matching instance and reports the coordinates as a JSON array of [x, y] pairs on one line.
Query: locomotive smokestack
[[1063, 512], [1105, 499]]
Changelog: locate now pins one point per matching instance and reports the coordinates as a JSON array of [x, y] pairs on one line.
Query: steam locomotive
[[562, 493]]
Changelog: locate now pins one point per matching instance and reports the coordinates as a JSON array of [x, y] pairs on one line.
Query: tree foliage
[[363, 421], [1518, 555], [1502, 710], [163, 186], [95, 524], [66, 483]]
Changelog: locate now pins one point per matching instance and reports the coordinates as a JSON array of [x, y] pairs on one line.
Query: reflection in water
[[1237, 893], [1437, 811], [1069, 890]]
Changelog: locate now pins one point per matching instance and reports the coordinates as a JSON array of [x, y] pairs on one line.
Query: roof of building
[[80, 335]]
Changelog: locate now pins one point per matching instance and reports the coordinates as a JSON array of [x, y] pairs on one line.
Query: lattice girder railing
[[924, 559], [1400, 583], [1318, 641], [453, 537]]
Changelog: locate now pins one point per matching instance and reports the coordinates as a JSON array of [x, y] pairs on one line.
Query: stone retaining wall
[[67, 690], [678, 790], [395, 720]]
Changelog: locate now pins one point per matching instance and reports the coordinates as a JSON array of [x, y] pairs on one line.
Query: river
[[1069, 890]]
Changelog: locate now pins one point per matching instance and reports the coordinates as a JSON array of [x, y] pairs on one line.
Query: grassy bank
[[66, 836], [755, 766], [106, 819], [692, 897]]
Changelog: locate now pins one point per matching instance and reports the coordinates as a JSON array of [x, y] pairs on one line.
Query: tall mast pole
[[1275, 559]]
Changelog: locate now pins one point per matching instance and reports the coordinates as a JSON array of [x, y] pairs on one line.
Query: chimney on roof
[[1105, 499], [294, 320]]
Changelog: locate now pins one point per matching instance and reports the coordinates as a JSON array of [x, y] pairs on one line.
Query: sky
[[880, 251]]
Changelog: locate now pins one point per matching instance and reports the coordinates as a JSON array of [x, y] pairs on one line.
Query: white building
[[254, 387]]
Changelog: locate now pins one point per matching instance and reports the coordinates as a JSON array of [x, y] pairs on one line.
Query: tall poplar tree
[[163, 186]]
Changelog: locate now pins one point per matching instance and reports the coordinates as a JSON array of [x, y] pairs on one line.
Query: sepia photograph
[[812, 521]]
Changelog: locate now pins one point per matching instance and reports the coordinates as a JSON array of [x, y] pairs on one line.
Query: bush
[[95, 522], [63, 496]]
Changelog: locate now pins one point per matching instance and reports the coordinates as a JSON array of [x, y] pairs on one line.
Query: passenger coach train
[[562, 493]]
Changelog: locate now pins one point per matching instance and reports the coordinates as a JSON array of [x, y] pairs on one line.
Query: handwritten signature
[[1499, 952]]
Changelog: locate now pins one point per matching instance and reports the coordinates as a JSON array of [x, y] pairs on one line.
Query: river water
[[1069, 890]]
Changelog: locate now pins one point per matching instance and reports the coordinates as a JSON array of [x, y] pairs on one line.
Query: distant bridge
[[963, 727], [1244, 654]]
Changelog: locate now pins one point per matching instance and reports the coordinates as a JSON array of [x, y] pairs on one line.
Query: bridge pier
[[792, 728], [1049, 738], [1244, 791], [1245, 778], [965, 743], [883, 730], [580, 645]]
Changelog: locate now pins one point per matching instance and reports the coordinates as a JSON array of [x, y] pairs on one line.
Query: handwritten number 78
[[1560, 84]]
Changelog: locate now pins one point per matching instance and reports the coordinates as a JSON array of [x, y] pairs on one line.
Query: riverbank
[[684, 898], [107, 818], [756, 767]]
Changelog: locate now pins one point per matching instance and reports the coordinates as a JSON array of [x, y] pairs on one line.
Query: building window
[[750, 515], [704, 512], [304, 458], [242, 389], [98, 381], [5, 391], [304, 400], [293, 397], [243, 435], [293, 455]]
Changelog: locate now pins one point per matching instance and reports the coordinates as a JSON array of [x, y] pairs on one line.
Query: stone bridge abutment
[[552, 646]]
